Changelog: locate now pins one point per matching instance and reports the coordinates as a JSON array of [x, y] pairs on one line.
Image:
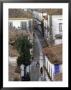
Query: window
[[10, 24], [60, 27], [30, 24], [24, 25], [56, 68]]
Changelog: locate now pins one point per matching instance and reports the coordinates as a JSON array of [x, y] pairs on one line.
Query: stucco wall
[[58, 41], [50, 68], [17, 23], [55, 24], [12, 60]]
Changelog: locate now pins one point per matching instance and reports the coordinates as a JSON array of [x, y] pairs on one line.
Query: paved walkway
[[34, 70], [38, 56]]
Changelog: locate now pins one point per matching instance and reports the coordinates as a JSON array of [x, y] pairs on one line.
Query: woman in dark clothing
[[41, 70], [28, 77], [37, 64]]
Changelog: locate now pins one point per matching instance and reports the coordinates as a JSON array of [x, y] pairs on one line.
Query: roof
[[54, 54], [19, 13], [50, 11]]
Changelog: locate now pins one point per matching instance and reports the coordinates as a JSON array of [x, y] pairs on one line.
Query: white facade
[[37, 15], [40, 17], [58, 41], [22, 70], [56, 19], [50, 68], [13, 61], [17, 22], [41, 61], [56, 27]]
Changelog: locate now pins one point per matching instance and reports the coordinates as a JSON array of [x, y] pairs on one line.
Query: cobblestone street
[[35, 73], [38, 57]]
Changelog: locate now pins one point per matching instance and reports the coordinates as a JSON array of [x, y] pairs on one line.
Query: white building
[[56, 22], [20, 18], [53, 23], [53, 62], [13, 61], [20, 23], [38, 17]]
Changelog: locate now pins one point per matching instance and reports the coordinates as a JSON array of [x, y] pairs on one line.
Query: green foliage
[[23, 46], [22, 59], [19, 60]]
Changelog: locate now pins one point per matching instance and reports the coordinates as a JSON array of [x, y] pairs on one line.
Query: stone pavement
[[38, 56], [34, 70]]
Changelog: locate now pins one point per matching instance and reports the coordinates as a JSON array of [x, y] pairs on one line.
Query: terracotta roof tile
[[54, 53], [50, 11], [19, 13]]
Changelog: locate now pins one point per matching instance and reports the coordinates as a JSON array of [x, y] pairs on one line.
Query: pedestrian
[[37, 64], [41, 70], [28, 69], [28, 77]]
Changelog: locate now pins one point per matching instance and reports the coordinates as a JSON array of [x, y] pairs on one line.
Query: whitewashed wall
[[58, 41], [55, 24], [38, 15], [61, 70], [52, 71], [17, 23], [51, 66], [41, 61], [49, 20], [13, 60], [46, 60], [56, 19]]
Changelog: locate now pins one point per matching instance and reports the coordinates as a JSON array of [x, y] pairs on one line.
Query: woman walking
[[41, 70]]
